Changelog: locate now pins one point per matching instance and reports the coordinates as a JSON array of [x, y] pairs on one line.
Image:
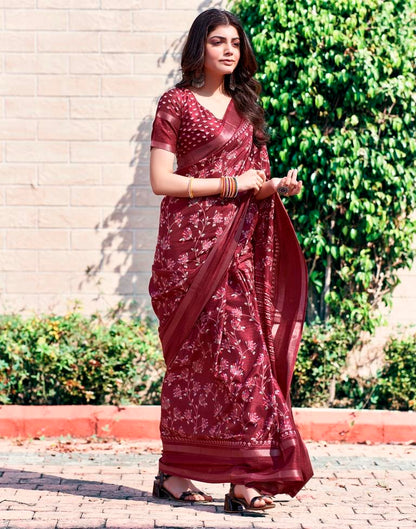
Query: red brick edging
[[142, 422]]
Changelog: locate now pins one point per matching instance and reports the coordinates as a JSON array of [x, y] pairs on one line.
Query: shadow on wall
[[132, 225], [130, 228]]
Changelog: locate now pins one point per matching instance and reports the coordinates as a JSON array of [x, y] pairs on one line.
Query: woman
[[228, 281]]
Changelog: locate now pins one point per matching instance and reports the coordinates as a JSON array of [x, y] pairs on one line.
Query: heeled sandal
[[160, 491], [234, 504]]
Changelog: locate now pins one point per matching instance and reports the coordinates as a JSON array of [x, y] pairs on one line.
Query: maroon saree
[[229, 287]]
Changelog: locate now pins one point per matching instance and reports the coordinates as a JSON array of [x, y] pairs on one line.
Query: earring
[[198, 82], [232, 82]]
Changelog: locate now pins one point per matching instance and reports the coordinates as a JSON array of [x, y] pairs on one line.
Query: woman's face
[[222, 51]]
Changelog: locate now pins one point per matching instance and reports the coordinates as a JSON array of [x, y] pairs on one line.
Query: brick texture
[[79, 85], [48, 484]]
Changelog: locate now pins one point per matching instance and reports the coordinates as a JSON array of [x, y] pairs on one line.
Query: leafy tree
[[340, 96]]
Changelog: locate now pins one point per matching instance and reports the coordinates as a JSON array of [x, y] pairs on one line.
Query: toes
[[200, 497], [260, 502]]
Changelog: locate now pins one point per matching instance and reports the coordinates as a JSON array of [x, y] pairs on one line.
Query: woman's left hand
[[289, 185]]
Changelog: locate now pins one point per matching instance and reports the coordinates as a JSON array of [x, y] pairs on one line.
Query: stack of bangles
[[229, 187]]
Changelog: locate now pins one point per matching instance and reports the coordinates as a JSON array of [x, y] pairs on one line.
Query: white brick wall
[[79, 83], [78, 87]]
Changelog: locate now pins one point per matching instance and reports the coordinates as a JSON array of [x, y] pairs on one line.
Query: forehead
[[224, 31]]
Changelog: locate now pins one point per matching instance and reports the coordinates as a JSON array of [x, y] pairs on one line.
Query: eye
[[236, 44], [215, 42]]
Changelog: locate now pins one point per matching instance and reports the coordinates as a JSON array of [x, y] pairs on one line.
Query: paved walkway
[[67, 484]]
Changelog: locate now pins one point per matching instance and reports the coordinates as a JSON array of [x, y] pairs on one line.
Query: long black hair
[[244, 89]]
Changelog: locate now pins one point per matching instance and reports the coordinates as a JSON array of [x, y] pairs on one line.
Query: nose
[[228, 48]]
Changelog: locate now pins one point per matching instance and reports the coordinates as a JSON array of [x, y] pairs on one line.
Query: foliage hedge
[[321, 359], [75, 359], [393, 388], [339, 91]]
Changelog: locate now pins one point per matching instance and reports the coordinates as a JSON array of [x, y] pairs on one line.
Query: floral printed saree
[[229, 287]]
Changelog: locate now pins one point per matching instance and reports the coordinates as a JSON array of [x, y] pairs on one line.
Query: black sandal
[[234, 504], [159, 491]]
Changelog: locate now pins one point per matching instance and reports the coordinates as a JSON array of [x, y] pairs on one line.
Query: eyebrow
[[223, 38]]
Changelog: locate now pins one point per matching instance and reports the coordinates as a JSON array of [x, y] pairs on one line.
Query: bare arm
[[165, 182], [290, 183], [268, 189]]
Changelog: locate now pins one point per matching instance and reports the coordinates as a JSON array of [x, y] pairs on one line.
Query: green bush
[[340, 97], [321, 359], [394, 387], [396, 383], [74, 359]]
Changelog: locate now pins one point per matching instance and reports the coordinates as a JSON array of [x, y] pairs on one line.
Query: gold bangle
[[190, 193]]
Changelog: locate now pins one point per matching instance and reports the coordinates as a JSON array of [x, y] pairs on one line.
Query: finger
[[292, 174], [295, 176], [259, 176], [296, 189]]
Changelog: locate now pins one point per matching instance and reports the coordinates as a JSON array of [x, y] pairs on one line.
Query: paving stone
[[128, 525], [15, 515], [89, 487], [32, 524], [81, 524]]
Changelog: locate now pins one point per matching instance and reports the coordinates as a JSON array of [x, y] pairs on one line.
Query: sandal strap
[[186, 493], [162, 477], [253, 500]]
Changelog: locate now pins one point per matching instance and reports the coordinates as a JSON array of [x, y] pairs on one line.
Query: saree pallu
[[229, 287]]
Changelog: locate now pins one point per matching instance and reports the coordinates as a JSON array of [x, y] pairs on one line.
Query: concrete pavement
[[93, 484]]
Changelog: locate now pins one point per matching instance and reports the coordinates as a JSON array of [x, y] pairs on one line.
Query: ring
[[283, 190]]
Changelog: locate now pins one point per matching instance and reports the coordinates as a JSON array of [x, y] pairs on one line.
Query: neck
[[213, 85]]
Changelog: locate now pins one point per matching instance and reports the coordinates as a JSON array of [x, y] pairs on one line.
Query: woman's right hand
[[251, 179]]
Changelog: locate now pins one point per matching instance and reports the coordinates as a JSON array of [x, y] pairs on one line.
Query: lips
[[227, 62]]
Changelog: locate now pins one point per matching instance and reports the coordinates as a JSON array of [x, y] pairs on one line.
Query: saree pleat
[[202, 287], [229, 287]]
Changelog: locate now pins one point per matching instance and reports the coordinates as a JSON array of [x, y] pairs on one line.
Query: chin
[[227, 71]]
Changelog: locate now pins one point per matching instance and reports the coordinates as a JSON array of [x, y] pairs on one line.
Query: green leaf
[[340, 105]]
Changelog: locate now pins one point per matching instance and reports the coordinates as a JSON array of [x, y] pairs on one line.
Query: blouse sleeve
[[167, 121]]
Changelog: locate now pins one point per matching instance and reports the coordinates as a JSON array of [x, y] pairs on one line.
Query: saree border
[[214, 266], [231, 123], [284, 477]]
